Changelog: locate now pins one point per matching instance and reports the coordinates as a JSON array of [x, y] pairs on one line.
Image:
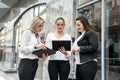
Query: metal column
[[103, 40]]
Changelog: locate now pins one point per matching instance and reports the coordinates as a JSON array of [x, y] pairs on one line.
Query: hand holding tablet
[[57, 44], [47, 51]]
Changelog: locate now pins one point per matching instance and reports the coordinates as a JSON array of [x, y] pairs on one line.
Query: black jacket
[[88, 46]]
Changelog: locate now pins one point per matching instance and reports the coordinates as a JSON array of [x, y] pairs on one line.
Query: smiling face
[[80, 27], [60, 25]]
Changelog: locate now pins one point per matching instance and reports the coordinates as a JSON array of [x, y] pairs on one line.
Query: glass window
[[6, 38], [112, 35], [36, 10], [112, 39], [109, 13]]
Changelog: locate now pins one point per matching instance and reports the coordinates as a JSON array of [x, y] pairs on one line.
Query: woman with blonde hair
[[30, 41]]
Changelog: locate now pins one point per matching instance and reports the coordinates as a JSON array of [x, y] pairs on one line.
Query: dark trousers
[[86, 71], [58, 68], [27, 69]]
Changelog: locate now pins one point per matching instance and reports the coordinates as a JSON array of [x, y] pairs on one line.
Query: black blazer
[[88, 46]]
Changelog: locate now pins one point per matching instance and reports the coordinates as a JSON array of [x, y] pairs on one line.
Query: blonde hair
[[37, 21]]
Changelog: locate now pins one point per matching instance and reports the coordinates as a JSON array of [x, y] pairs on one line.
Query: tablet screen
[[56, 44]]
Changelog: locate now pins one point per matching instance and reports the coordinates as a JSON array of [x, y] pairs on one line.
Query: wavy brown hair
[[85, 23]]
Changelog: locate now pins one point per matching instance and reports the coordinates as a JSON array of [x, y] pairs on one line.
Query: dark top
[[88, 46]]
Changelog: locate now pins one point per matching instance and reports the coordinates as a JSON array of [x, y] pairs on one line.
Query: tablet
[[56, 44], [39, 52]]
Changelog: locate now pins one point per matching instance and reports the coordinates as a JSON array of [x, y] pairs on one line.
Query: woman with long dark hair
[[85, 50]]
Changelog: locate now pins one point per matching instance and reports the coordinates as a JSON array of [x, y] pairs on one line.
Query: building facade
[[104, 16]]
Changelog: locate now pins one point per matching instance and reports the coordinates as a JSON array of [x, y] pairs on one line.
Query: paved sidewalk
[[14, 75], [8, 76]]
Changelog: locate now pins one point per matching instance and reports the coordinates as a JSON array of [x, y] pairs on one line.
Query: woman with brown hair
[[85, 50], [58, 65]]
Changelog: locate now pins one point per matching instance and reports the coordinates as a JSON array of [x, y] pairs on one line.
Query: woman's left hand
[[75, 49], [62, 50]]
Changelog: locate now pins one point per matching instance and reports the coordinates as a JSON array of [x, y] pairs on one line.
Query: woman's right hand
[[41, 46]]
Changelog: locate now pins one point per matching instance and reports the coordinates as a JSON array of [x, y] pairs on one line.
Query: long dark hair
[[85, 23]]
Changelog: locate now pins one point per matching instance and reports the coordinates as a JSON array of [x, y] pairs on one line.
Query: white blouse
[[58, 55], [75, 59], [77, 55], [28, 41]]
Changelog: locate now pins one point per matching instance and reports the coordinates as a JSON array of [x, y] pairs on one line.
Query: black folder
[[39, 52], [56, 44]]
